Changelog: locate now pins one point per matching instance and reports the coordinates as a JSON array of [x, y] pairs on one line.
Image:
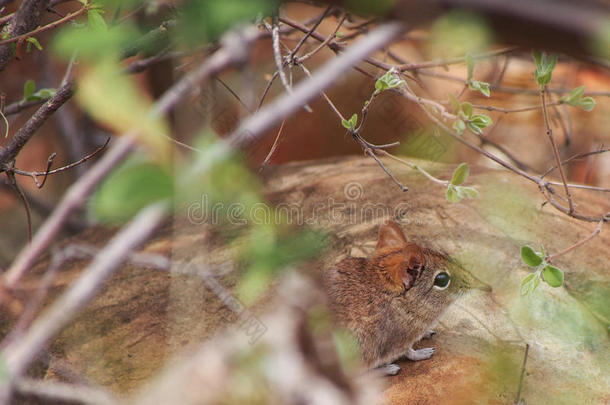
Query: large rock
[[144, 316]]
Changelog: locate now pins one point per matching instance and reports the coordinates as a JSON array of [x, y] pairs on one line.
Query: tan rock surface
[[144, 316]]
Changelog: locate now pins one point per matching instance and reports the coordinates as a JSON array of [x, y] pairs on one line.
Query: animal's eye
[[441, 281]]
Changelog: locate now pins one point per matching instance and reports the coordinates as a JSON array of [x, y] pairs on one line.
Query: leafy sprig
[[551, 275], [455, 192], [467, 119]]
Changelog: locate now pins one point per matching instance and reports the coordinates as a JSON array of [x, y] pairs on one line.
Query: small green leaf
[[470, 66], [527, 284], [28, 89], [387, 81], [34, 41], [350, 124], [451, 194], [467, 192], [459, 126], [466, 108], [483, 87], [552, 276], [481, 120], [455, 104], [544, 67], [530, 257], [96, 21], [587, 103], [45, 93], [474, 128], [460, 174], [575, 95]]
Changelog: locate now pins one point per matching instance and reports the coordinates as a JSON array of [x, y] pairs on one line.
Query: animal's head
[[408, 270]]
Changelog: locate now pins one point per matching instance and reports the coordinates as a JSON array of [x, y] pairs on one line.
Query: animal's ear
[[414, 257], [390, 234]]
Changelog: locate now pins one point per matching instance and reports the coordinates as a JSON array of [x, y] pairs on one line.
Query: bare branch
[[235, 49], [273, 113], [18, 141], [74, 197], [549, 133], [44, 28], [25, 20], [595, 232]]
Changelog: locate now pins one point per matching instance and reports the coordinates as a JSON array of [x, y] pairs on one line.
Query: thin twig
[[367, 147], [518, 399], [313, 28], [273, 113], [549, 133], [73, 198], [233, 93], [325, 42], [595, 232], [453, 61], [513, 110], [274, 146], [416, 167], [25, 19], [26, 206], [44, 28], [235, 50], [267, 87], [34, 175], [577, 156], [277, 53]]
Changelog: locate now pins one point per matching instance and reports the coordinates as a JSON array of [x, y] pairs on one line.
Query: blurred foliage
[[131, 187], [458, 33], [205, 21]]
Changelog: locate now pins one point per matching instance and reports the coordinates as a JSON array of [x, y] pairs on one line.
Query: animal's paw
[[421, 354], [428, 334], [389, 369]]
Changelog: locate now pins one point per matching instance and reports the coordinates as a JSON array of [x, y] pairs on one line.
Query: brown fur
[[388, 300]]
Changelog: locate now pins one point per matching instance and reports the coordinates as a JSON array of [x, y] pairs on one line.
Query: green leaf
[[28, 89], [388, 81], [530, 257], [455, 104], [45, 93], [459, 126], [474, 128], [469, 66], [587, 103], [466, 108], [552, 276], [575, 95], [130, 188], [34, 41], [96, 21], [481, 120], [483, 87], [478, 122], [451, 194], [528, 284], [350, 124], [460, 174], [544, 67], [467, 192]]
